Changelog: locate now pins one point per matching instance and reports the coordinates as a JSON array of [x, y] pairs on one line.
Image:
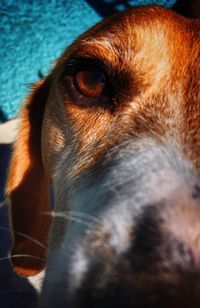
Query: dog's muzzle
[[137, 241]]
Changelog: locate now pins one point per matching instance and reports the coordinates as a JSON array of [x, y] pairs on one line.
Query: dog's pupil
[[91, 82]]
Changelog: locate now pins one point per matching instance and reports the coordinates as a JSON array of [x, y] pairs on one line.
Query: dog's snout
[[159, 268], [138, 243]]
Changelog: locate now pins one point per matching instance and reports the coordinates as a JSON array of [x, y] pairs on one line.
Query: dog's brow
[[101, 48], [104, 43]]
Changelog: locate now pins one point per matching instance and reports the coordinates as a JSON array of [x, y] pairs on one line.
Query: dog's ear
[[27, 188], [188, 8]]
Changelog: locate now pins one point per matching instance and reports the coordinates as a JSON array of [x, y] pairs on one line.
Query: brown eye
[[90, 82]]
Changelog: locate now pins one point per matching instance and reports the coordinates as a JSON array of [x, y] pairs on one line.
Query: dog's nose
[[159, 268], [164, 258]]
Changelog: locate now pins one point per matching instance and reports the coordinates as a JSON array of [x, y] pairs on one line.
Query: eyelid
[[85, 62]]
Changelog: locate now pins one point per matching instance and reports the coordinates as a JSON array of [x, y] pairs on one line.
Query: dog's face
[[118, 120]]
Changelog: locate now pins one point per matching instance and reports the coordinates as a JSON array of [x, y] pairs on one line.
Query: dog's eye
[[90, 82]]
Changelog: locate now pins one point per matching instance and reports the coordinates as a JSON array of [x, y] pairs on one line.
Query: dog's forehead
[[128, 32], [140, 38]]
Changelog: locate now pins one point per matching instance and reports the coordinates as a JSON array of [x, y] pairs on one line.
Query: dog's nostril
[[147, 233], [196, 192]]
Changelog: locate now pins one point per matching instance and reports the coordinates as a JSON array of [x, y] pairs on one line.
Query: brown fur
[[156, 54]]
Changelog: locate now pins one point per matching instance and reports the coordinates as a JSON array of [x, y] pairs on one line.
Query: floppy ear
[[27, 188]]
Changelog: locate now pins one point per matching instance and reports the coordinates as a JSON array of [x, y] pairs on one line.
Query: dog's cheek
[[54, 138]]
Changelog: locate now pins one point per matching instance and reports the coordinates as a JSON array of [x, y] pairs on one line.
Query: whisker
[[16, 291], [22, 255], [84, 215], [77, 214], [24, 235], [65, 216], [71, 218]]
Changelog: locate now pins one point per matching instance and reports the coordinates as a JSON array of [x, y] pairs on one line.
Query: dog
[[114, 130]]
